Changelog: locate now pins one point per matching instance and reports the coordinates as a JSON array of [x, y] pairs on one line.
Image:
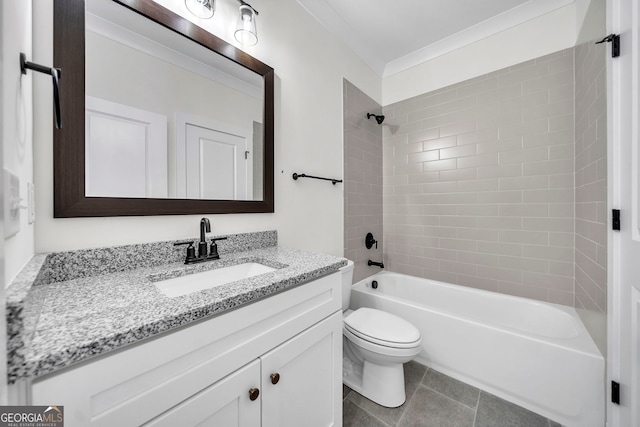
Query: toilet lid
[[381, 327]]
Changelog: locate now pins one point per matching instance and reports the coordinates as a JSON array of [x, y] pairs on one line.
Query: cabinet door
[[225, 403], [309, 389]]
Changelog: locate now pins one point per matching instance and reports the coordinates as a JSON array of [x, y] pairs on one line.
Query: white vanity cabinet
[[275, 362], [305, 387], [225, 403], [293, 384]]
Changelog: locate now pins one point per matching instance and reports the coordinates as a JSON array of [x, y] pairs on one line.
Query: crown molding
[[495, 25]]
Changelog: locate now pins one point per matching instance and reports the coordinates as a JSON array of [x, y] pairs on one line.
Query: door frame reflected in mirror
[[69, 142]]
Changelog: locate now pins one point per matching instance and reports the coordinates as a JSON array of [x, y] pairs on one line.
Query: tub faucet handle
[[369, 241]]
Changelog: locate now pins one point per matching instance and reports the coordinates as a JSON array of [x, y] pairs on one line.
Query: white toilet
[[375, 345]]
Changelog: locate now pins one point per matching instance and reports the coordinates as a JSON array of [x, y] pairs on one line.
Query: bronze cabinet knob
[[254, 393], [275, 377]]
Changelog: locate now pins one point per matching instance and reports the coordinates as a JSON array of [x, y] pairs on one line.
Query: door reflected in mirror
[[166, 117]]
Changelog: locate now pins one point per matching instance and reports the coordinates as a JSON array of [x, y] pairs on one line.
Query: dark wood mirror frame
[[69, 142]]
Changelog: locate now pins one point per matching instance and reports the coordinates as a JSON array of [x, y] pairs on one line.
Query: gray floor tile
[[434, 399], [456, 390], [388, 415], [428, 408], [345, 391], [354, 416], [413, 373], [495, 412]]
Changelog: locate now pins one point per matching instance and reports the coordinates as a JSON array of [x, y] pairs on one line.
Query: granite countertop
[[54, 325]]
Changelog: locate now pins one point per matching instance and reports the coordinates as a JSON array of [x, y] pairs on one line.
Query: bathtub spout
[[379, 264]]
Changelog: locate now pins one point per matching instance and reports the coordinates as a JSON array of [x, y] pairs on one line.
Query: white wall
[[3, 327], [310, 65], [546, 34], [582, 7], [15, 147], [17, 119], [3, 323]]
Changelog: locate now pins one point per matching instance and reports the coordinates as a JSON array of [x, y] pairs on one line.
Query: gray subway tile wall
[[497, 183], [591, 178], [362, 180], [479, 183]]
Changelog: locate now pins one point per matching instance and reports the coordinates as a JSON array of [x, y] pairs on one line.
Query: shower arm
[[379, 118]]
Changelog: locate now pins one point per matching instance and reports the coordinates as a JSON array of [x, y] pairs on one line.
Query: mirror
[[175, 122], [198, 140]]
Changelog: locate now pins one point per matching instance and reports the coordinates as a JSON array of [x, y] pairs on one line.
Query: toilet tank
[[347, 279]]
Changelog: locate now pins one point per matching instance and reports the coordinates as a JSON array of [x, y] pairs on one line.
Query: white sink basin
[[189, 283]]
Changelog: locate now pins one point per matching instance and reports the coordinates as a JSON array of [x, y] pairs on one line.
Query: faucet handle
[[369, 241], [213, 249], [191, 251]]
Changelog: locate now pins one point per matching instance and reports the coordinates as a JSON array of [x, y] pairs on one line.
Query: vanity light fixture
[[246, 33], [201, 8]]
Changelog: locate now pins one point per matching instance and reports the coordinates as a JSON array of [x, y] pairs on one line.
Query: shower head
[[379, 118]]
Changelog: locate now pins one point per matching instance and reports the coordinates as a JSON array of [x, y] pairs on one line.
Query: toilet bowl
[[375, 346]]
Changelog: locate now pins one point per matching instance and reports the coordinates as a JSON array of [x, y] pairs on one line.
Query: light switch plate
[[11, 204]]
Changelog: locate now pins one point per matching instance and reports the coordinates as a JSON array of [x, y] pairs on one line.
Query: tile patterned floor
[[436, 400]]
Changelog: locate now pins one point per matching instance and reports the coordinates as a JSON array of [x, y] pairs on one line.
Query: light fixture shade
[[201, 8], [246, 32]]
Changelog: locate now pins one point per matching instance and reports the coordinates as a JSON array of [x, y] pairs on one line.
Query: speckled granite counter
[[59, 316]]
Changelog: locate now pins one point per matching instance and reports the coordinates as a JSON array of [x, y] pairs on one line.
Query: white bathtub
[[534, 354]]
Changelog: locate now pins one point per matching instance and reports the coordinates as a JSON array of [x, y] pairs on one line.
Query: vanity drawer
[[134, 385]]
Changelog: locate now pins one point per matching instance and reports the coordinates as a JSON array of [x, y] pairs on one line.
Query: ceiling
[[392, 36]]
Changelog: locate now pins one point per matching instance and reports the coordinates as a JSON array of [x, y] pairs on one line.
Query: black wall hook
[[55, 74], [614, 39]]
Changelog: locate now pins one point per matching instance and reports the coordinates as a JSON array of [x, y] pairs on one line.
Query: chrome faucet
[[205, 226]]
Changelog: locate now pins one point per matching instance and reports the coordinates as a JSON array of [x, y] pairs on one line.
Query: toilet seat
[[382, 328], [377, 350]]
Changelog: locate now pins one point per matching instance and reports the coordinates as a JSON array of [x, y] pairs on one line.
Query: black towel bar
[[302, 175]]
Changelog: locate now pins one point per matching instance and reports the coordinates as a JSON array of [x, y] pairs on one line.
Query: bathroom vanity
[[262, 351]]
